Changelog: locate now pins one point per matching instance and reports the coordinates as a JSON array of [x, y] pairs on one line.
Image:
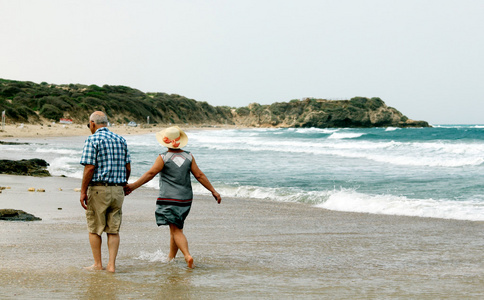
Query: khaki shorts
[[104, 211]]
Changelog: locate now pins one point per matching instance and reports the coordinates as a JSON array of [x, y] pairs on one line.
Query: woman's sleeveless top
[[175, 181]]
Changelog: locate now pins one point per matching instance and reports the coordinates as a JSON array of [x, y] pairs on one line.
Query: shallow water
[[243, 248]]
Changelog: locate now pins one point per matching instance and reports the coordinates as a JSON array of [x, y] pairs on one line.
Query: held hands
[[128, 189]]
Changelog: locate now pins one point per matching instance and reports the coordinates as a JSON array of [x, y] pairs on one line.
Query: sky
[[423, 57]]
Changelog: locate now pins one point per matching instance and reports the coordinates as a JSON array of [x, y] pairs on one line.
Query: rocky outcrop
[[29, 167], [16, 215], [358, 112]]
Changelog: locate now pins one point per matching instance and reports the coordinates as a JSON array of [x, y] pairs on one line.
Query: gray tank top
[[175, 181]]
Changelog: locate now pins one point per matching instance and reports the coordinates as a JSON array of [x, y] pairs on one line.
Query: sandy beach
[[21, 130], [243, 248]]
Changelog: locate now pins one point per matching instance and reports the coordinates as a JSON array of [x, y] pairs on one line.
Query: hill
[[29, 102]]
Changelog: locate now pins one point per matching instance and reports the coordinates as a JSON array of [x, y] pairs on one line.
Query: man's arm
[[128, 171], [86, 179]]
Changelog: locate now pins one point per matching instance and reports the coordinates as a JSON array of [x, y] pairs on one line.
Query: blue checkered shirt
[[109, 153]]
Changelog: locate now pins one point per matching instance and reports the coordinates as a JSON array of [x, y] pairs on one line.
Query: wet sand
[[243, 248]]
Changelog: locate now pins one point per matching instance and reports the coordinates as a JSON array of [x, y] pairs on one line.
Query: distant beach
[[21, 130], [243, 249]]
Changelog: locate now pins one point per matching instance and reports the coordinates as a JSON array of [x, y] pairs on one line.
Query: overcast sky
[[423, 57]]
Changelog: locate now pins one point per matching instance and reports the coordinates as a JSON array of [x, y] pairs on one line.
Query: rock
[[29, 167], [12, 143], [358, 112], [17, 215]]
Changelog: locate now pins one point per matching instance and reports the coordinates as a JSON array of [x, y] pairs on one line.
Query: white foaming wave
[[316, 130], [430, 161], [395, 153], [345, 135], [59, 151], [66, 165], [352, 201], [159, 256], [266, 193], [391, 128]]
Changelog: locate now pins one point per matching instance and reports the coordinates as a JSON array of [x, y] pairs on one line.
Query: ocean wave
[[353, 201], [437, 154], [315, 130], [345, 135], [59, 151]]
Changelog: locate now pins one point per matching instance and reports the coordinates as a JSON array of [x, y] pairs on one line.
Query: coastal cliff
[[356, 112], [29, 102]]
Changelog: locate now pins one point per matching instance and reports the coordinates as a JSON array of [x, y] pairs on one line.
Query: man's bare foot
[[189, 261], [94, 268], [111, 268]]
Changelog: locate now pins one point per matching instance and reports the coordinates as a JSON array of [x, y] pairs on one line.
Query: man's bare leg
[[173, 248], [95, 241], [182, 243], [113, 246]]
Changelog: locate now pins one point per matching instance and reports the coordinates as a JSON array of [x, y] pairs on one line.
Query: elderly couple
[[107, 168]]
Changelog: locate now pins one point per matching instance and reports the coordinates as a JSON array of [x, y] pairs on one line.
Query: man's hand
[[127, 190], [84, 200]]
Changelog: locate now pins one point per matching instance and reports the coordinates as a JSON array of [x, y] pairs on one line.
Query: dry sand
[[57, 129]]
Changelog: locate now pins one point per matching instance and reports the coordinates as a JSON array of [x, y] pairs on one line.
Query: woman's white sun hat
[[172, 137]]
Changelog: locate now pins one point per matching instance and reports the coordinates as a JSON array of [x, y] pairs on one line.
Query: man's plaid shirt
[[109, 153]]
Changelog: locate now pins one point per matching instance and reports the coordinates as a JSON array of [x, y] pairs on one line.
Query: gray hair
[[99, 117]]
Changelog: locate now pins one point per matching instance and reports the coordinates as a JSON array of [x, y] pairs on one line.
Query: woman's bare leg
[[181, 242], [173, 248]]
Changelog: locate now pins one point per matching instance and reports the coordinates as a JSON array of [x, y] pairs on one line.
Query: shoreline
[[253, 248], [13, 131]]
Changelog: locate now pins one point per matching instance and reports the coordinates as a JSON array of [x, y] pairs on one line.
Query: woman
[[175, 197]]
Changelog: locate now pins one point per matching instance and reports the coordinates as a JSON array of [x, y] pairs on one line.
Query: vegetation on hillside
[[31, 102], [26, 101]]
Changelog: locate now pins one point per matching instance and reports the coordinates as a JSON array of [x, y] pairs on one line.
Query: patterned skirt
[[170, 211]]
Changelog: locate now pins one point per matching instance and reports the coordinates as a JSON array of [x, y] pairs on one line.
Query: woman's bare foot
[[111, 268], [189, 261], [94, 268]]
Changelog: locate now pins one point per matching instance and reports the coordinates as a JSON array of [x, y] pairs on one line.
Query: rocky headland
[[28, 102]]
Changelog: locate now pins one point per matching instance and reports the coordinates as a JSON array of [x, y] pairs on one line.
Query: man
[[107, 166]]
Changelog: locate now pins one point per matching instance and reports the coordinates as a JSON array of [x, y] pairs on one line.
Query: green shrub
[[51, 112], [242, 111]]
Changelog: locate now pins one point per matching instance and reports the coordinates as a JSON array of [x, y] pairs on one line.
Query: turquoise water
[[427, 172]]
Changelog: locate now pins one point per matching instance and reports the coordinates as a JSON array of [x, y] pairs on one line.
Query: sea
[[424, 172]]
